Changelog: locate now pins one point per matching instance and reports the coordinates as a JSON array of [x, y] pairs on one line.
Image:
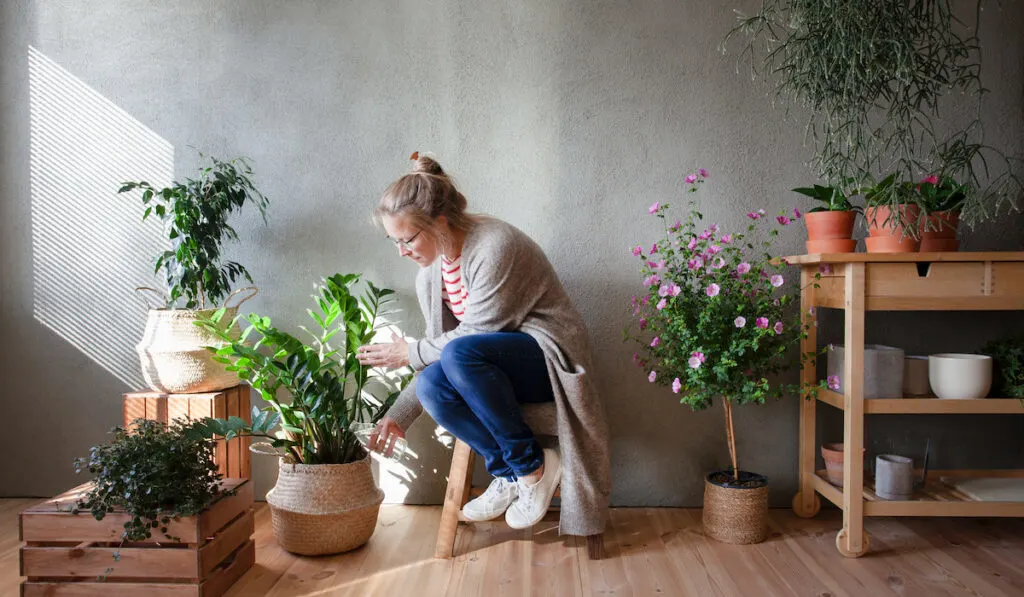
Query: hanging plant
[[873, 75]]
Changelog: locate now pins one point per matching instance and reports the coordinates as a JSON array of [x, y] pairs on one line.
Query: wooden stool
[[542, 419]]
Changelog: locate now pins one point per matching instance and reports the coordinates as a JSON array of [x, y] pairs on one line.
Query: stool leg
[[460, 479], [595, 547]]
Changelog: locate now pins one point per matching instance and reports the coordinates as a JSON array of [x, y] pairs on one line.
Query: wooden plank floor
[[656, 551]]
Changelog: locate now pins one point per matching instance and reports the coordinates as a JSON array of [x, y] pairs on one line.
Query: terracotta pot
[[942, 237], [891, 244], [833, 245], [882, 222], [829, 225], [833, 456]]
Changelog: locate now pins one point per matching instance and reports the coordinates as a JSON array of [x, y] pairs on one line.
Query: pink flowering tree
[[715, 320]]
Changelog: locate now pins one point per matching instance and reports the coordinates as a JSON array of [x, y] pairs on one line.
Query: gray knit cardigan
[[512, 287]]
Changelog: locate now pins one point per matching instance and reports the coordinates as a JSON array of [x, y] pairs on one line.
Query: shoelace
[[526, 492], [499, 486]]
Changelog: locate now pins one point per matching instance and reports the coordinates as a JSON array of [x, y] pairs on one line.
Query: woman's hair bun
[[426, 165]]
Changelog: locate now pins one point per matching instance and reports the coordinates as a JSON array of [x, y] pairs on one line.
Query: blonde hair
[[424, 195]]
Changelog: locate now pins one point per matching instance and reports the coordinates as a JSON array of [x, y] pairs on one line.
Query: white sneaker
[[534, 500], [493, 502]]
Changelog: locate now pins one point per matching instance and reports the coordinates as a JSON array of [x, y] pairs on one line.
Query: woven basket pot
[[736, 513], [321, 509], [173, 351]]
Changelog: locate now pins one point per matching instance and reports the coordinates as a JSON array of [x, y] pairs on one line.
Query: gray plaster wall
[[565, 118]]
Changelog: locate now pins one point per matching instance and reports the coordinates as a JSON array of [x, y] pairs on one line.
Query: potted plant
[[829, 226], [942, 199], [195, 217], [1008, 357], [893, 216], [712, 324], [325, 500], [871, 77], [155, 473]]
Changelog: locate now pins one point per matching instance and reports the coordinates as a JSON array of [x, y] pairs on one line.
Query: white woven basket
[[173, 355]]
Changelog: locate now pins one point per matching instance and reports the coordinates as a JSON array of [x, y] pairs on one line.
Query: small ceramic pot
[[833, 455], [894, 477], [915, 376], [942, 236], [887, 234], [960, 376], [883, 370]]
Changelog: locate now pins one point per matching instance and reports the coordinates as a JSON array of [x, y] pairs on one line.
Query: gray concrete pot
[[883, 370]]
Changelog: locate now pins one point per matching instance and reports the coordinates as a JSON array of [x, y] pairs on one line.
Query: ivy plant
[[315, 391], [195, 217], [155, 473]]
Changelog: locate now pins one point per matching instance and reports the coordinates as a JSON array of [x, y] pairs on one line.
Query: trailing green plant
[[872, 75], [327, 388], [156, 473], [1008, 357], [834, 198], [195, 217]]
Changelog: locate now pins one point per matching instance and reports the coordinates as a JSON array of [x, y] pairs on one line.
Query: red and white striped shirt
[[453, 290]]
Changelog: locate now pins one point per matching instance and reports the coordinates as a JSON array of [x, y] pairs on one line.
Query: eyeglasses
[[405, 243]]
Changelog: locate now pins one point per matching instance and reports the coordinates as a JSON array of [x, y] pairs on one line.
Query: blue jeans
[[475, 390]]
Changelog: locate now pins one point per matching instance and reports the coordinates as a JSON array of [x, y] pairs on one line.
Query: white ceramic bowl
[[960, 376]]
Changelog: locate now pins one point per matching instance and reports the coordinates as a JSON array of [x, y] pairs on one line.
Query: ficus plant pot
[[887, 232], [736, 510], [830, 231], [938, 231]]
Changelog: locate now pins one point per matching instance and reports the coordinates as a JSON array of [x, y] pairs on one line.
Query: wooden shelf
[[929, 406], [904, 257], [934, 499]]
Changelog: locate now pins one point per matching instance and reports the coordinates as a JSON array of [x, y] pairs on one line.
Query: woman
[[500, 331]]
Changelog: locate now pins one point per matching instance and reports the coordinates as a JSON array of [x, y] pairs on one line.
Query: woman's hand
[[383, 438], [391, 355]]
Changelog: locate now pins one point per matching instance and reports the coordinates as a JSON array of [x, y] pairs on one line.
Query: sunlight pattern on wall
[[89, 248]]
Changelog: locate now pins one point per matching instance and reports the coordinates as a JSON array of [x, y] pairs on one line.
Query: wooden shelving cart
[[860, 282]]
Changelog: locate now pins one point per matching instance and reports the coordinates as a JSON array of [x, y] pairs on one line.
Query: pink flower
[[753, 215], [796, 214], [692, 243], [677, 225], [676, 386], [778, 327], [695, 263], [726, 239], [714, 228], [704, 235], [812, 311], [664, 290], [643, 324], [761, 322], [653, 209], [662, 304], [719, 263], [652, 280], [777, 280], [933, 179], [703, 173], [740, 321], [643, 300], [660, 265], [636, 358], [743, 268], [652, 377], [825, 268], [783, 220], [712, 290], [691, 179], [638, 251], [655, 342], [760, 212], [696, 358], [654, 248], [833, 382], [714, 250]]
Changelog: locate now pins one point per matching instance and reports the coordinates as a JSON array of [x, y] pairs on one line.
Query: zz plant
[[155, 473], [195, 217], [326, 390]]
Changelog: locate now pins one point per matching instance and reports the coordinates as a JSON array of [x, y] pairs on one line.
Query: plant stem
[[730, 437]]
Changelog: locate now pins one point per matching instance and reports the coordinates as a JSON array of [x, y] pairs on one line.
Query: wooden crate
[[67, 554], [233, 458]]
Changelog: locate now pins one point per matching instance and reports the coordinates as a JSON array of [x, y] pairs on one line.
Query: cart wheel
[[798, 506], [841, 545]]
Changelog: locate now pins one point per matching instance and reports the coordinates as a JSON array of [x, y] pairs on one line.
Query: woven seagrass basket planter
[[321, 509], [736, 512], [173, 354]]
